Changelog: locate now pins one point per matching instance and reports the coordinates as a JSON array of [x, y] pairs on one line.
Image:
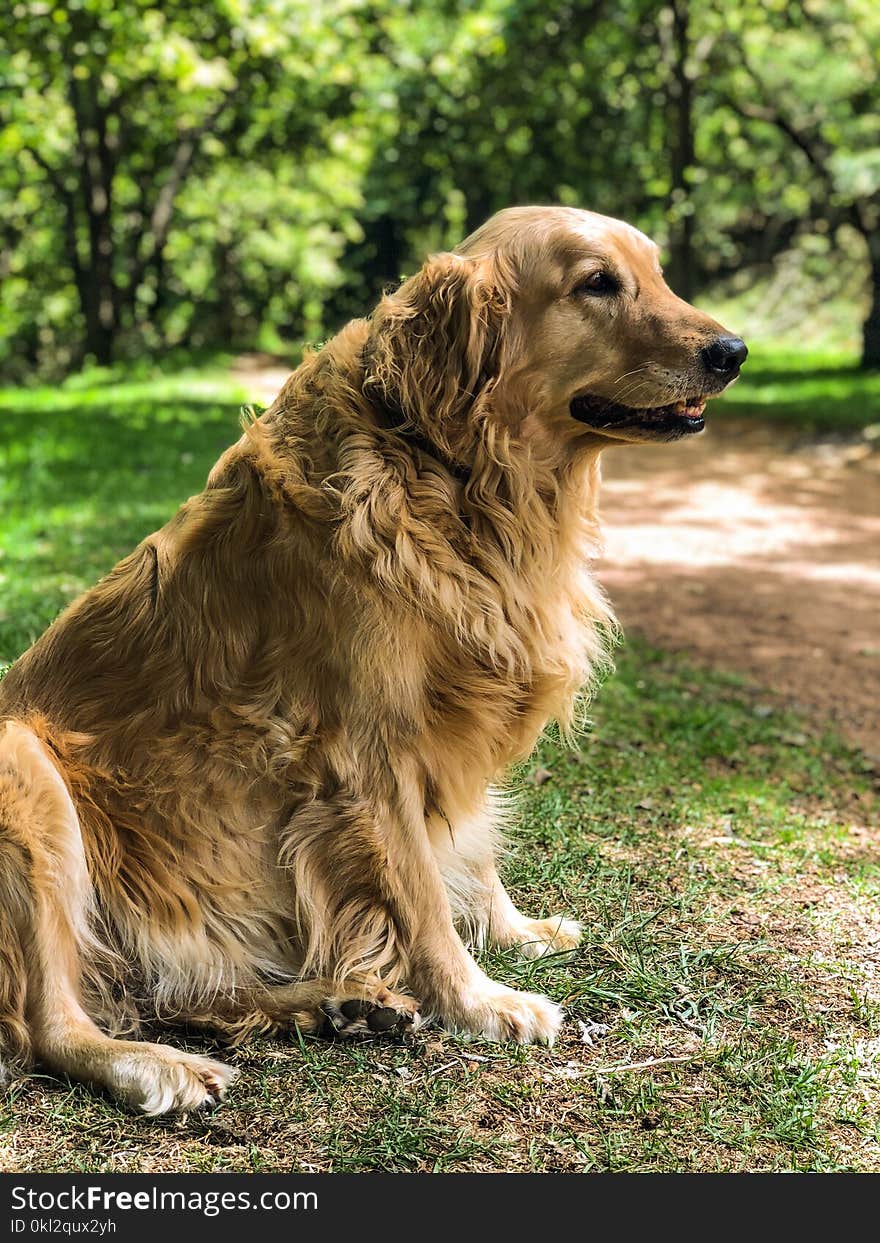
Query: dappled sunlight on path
[[752, 552]]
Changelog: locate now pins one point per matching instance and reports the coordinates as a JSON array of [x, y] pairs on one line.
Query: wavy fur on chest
[[478, 617]]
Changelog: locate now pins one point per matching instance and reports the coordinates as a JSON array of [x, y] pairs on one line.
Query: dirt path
[[745, 549], [753, 552], [261, 376]]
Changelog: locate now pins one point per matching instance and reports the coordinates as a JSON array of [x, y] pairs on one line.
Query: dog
[[248, 781]]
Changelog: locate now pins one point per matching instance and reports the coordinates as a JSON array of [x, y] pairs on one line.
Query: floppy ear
[[435, 344]]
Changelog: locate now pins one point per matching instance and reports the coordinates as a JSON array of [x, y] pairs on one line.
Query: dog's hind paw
[[385, 1014]]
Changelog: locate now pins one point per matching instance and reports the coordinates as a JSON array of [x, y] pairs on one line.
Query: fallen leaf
[[591, 1032], [571, 1070]]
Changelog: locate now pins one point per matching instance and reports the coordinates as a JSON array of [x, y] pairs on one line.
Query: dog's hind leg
[[359, 1005], [44, 934]]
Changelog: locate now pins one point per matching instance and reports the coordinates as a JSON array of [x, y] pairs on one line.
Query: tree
[[676, 44], [808, 75], [115, 104]]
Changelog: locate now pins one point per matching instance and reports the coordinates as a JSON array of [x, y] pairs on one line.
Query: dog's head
[[556, 321]]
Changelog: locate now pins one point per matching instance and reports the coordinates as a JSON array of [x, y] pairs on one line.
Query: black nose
[[725, 355]]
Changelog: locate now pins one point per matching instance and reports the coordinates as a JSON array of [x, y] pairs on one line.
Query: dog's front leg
[[371, 899], [439, 969], [481, 906], [464, 998]]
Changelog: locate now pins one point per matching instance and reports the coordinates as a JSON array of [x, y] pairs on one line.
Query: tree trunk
[[99, 305], [387, 266], [681, 242], [871, 328], [99, 296], [96, 305]]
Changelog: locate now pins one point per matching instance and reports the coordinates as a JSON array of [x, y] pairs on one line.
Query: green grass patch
[[90, 467], [814, 389]]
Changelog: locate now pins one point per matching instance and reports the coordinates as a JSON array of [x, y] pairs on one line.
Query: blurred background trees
[[251, 172]]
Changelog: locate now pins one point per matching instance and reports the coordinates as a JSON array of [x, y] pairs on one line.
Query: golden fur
[[246, 780]]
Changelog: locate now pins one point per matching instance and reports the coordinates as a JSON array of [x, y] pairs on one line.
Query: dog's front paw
[[158, 1079], [549, 936], [504, 1014]]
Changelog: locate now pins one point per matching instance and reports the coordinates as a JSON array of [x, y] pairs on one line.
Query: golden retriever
[[246, 780]]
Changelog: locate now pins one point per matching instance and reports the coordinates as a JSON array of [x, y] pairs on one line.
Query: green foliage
[[169, 170], [252, 171]]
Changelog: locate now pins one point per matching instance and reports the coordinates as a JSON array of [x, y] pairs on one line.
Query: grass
[[87, 469], [723, 1010], [803, 325], [818, 390]]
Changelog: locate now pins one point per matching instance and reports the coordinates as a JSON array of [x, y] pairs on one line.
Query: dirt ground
[[752, 550], [748, 548], [261, 376]]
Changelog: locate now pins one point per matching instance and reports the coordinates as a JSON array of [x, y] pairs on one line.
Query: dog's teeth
[[680, 407]]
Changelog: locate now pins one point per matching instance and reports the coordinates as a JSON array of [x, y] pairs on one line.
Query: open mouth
[[678, 418]]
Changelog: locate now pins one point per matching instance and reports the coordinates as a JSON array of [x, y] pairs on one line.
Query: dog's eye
[[597, 283]]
